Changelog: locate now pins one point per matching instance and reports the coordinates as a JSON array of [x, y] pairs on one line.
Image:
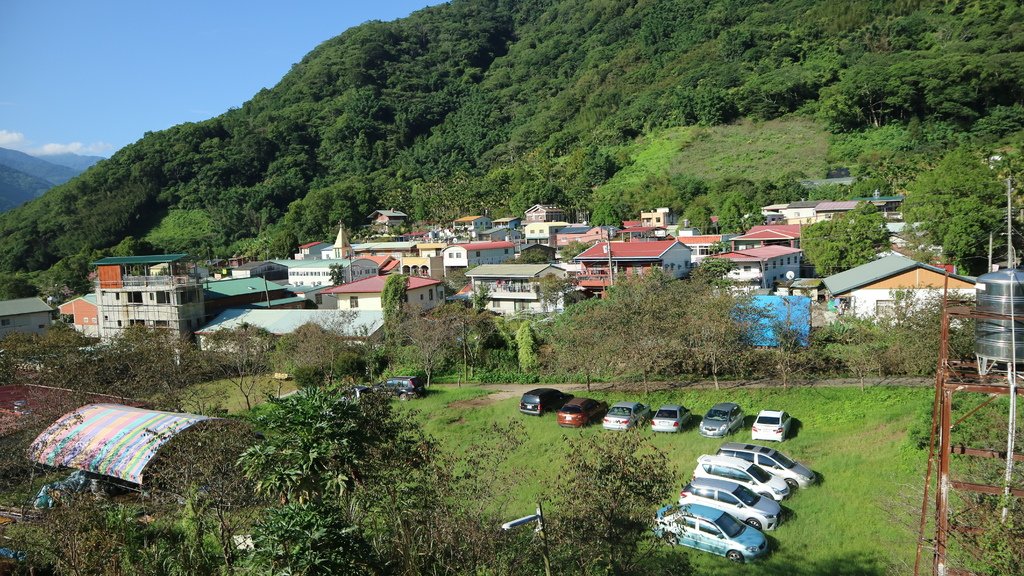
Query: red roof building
[[769, 235], [365, 294], [629, 258], [762, 267]]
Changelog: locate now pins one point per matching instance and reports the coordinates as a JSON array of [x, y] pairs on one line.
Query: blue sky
[[92, 76]]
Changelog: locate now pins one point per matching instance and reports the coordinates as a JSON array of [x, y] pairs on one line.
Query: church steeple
[[342, 249]]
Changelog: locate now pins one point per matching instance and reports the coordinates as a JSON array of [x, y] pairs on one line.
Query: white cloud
[[11, 139], [72, 148]]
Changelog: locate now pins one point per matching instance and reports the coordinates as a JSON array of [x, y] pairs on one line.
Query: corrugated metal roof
[[236, 287], [389, 213], [109, 439], [804, 204], [350, 323], [279, 302], [484, 245], [508, 270], [627, 250], [151, 259], [371, 246], [837, 206], [880, 269], [23, 306], [759, 253]]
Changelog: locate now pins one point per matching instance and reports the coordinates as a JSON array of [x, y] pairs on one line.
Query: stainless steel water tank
[[1000, 292]]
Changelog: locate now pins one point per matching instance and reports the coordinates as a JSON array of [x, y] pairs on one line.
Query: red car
[[579, 412]]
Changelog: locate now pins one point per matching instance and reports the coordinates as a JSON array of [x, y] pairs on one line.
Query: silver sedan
[[670, 418]]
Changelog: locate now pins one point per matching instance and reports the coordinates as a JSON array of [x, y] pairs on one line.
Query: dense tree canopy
[[850, 240], [501, 104]]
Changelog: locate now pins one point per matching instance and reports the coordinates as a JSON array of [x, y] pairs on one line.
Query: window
[[163, 297], [135, 297], [353, 301], [5, 322], [117, 296], [745, 456], [160, 323], [746, 268], [709, 528], [421, 297], [724, 496], [883, 307], [690, 522], [136, 322], [118, 323], [477, 253], [431, 295], [766, 462]]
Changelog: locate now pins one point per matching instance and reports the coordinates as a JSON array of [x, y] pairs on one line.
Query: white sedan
[[771, 425]]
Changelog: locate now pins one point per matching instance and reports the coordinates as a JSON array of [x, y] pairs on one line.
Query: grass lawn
[[856, 441], [216, 395]]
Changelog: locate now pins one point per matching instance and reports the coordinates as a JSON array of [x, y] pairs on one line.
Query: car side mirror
[[721, 536]]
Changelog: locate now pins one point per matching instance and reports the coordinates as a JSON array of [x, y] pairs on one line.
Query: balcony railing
[[149, 282]]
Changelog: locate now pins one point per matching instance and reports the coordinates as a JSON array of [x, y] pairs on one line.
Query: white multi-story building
[[476, 253], [763, 267], [515, 288]]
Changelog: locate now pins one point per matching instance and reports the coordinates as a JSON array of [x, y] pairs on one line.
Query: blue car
[[711, 530]]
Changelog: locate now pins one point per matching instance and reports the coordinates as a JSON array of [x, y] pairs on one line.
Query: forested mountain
[[497, 104], [17, 187]]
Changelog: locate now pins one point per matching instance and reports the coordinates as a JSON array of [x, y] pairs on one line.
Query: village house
[[585, 234], [220, 295], [424, 293], [704, 245], [544, 213], [768, 235], [477, 253], [82, 314], [869, 289], [763, 266], [157, 291], [891, 207], [318, 272], [311, 251], [544, 232], [394, 249], [261, 269], [830, 210], [802, 212], [659, 218], [629, 258], [387, 219], [538, 252], [499, 234], [512, 222], [471, 226], [25, 316], [515, 288]]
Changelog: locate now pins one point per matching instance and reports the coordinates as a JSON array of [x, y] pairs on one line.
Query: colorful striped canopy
[[109, 439]]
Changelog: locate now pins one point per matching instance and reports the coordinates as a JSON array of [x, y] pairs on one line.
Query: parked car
[[794, 473], [710, 529], [742, 472], [723, 419], [579, 412], [626, 415], [670, 418], [736, 499], [771, 425], [541, 400], [403, 387]]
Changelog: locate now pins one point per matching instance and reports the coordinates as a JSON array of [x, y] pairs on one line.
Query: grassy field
[[223, 395], [854, 522]]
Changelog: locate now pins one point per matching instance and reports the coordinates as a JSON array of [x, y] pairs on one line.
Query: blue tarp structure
[[778, 313]]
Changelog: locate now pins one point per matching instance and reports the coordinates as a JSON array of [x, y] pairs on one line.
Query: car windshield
[[716, 414], [746, 495], [619, 411], [770, 420], [783, 460], [758, 473], [667, 414], [571, 410], [729, 525]]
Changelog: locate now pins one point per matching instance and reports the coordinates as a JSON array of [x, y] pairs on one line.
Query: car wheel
[[753, 523], [767, 495], [404, 397], [793, 485], [672, 538], [735, 556]]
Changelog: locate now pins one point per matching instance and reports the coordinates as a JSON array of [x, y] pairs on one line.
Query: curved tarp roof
[[109, 439]]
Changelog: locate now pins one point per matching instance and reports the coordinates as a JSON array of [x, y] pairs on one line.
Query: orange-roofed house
[[471, 225], [703, 245], [365, 294], [628, 258]]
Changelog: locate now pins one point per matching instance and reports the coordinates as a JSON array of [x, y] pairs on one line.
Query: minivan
[[794, 473], [540, 400], [742, 472]]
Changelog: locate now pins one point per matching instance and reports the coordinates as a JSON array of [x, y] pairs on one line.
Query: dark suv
[[403, 387], [541, 400]]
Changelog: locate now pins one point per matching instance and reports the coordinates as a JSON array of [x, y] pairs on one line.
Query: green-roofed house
[[157, 291], [515, 288], [25, 315], [868, 290], [82, 314], [219, 295]]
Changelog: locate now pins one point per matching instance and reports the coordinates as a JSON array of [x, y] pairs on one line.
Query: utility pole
[[1011, 367], [989, 269]]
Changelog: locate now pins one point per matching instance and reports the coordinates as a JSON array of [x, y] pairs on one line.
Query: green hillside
[[599, 105]]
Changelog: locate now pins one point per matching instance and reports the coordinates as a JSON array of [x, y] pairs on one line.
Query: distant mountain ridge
[[24, 176]]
